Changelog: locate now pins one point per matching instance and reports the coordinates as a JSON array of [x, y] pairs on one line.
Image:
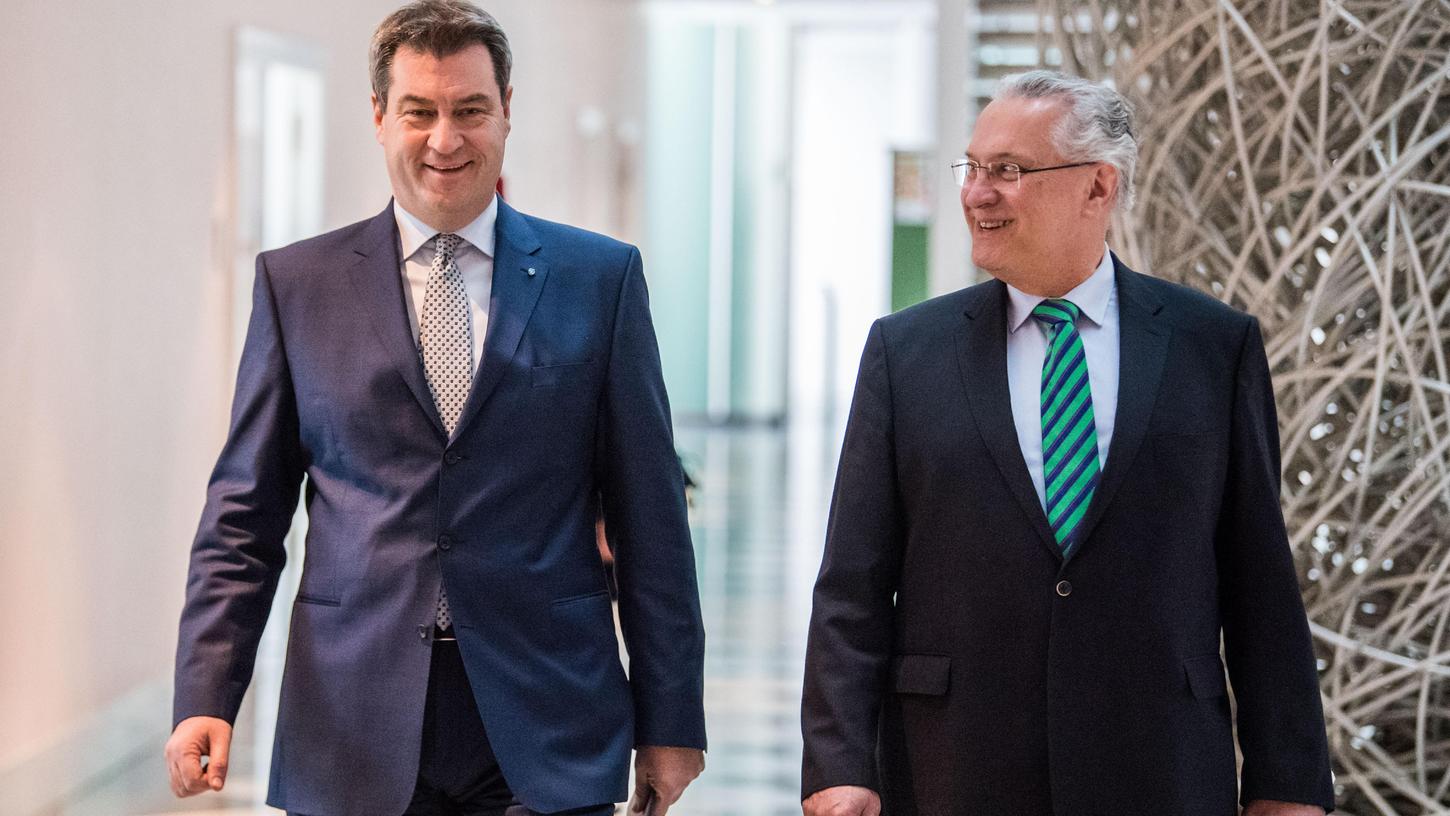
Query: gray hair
[[1098, 124], [440, 28]]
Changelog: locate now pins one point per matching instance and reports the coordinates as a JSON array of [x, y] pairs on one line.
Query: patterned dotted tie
[[1069, 436], [445, 338]]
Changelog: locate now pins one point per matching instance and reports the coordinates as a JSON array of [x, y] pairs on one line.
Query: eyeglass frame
[[962, 166]]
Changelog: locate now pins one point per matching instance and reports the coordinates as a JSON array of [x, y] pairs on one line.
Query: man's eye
[[417, 112]]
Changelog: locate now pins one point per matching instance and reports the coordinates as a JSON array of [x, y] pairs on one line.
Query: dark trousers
[[458, 774]]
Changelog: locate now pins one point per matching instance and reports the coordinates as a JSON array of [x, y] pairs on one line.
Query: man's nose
[[979, 194], [445, 136]]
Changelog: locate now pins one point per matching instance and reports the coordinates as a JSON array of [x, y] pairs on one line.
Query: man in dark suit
[[463, 386], [1058, 490]]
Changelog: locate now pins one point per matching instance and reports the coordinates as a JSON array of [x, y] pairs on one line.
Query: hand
[[1269, 807], [660, 776], [194, 738], [842, 800]]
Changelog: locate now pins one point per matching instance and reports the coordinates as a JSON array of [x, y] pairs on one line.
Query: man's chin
[[453, 211], [987, 262], [1004, 272]]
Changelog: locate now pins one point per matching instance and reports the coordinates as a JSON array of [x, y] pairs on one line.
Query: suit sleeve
[[1266, 635], [238, 552], [643, 496], [849, 644]]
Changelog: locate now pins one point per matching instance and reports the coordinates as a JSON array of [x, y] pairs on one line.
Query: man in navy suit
[[463, 387], [1058, 499]]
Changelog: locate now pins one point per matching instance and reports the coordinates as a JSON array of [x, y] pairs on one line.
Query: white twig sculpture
[[1296, 163]]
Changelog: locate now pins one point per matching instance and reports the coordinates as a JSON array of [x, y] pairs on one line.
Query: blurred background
[[781, 163]]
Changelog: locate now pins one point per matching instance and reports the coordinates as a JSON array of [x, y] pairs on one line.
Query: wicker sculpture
[[1296, 163]]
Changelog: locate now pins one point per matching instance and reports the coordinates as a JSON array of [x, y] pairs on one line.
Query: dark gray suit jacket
[[958, 665]]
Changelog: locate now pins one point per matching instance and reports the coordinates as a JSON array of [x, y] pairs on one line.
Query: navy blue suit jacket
[[567, 407], [958, 665]]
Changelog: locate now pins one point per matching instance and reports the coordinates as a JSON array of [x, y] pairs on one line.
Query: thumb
[[642, 793], [220, 740]]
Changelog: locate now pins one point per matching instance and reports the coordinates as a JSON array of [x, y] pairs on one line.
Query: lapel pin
[[531, 271]]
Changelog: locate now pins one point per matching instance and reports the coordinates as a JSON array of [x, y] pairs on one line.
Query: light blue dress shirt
[[1097, 297]]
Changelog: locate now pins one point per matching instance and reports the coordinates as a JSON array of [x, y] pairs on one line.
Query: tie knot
[[445, 244], [1056, 311]]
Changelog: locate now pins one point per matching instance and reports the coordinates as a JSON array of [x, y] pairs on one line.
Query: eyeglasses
[[965, 170]]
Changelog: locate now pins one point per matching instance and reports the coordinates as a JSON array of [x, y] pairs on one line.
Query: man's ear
[[378, 111], [1103, 192], [508, 96]]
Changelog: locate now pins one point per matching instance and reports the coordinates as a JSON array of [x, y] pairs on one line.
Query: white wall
[[859, 92], [115, 204]]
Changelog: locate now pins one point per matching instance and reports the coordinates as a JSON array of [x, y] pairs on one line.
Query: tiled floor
[[758, 522]]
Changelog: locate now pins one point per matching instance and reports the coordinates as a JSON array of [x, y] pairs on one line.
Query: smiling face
[[1044, 233], [443, 132]]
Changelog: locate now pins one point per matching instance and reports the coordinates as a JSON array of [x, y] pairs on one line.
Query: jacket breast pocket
[[927, 674], [1168, 443], [1187, 474], [555, 375]]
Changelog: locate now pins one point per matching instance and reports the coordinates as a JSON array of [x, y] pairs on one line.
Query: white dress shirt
[[474, 257], [1097, 297]]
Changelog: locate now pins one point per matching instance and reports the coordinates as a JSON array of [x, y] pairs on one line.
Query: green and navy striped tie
[[1069, 437]]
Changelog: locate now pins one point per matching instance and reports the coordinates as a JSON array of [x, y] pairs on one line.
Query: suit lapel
[[1143, 346], [377, 277], [518, 279], [981, 342]]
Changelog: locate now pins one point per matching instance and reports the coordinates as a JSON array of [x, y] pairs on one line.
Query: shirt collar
[[414, 233], [1091, 296]]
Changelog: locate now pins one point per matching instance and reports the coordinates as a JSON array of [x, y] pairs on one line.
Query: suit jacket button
[[452, 458], [1064, 588], [445, 542]]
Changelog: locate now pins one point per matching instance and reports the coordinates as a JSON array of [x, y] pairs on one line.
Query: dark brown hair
[[439, 28]]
